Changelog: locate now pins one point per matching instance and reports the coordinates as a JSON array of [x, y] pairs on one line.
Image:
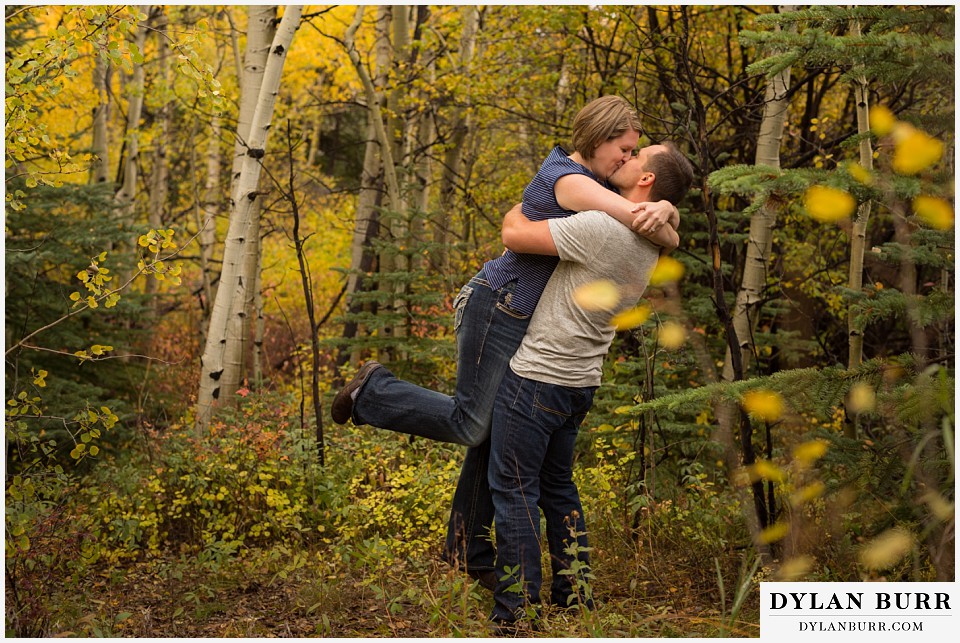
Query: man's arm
[[520, 234]]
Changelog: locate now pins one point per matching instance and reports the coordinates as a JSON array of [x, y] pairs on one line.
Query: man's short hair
[[674, 174], [601, 120]]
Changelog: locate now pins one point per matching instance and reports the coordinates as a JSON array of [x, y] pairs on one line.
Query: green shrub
[[243, 484]]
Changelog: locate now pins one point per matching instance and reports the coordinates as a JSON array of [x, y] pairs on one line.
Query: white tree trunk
[[858, 238], [371, 189], [128, 187], [101, 122], [858, 235], [376, 114], [219, 375], [316, 128], [762, 222], [460, 125], [159, 172], [209, 211], [400, 135], [261, 32]]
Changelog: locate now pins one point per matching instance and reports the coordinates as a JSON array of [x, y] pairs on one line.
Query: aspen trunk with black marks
[[159, 170], [461, 123], [377, 171], [733, 426], [858, 235], [210, 204], [760, 242], [101, 122], [127, 191], [220, 367], [261, 31], [399, 136]]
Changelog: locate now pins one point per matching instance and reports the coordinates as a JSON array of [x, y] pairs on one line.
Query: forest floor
[[171, 599]]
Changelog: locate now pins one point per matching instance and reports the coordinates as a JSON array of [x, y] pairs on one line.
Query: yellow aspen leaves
[[861, 174], [763, 405], [672, 335], [597, 295], [940, 507], [631, 318], [882, 120], [862, 398], [667, 270], [935, 212], [774, 532], [795, 568], [887, 549], [766, 470], [809, 452], [40, 378], [807, 494], [828, 205], [914, 151]]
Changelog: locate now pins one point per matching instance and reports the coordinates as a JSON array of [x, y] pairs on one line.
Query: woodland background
[[288, 197]]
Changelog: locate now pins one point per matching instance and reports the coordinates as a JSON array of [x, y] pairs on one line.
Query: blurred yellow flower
[[763, 404], [597, 295], [935, 212], [672, 335], [915, 150], [667, 269], [828, 205], [631, 318], [887, 549], [882, 120]]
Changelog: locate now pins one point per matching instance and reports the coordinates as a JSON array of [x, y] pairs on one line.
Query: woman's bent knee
[[475, 437]]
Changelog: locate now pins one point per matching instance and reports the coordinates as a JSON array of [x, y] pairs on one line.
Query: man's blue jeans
[[488, 332], [535, 428]]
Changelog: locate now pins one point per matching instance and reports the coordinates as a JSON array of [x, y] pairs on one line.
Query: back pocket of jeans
[[459, 303]]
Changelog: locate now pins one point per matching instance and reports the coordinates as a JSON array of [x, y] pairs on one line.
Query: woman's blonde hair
[[601, 120]]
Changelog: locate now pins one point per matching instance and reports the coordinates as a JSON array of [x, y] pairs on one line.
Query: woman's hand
[[652, 216]]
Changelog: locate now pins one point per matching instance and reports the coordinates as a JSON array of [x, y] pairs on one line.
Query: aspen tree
[[377, 164], [101, 121], [762, 222], [220, 368], [127, 191], [259, 37], [461, 123]]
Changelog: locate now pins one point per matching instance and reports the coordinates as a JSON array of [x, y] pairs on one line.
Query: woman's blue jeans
[[535, 428], [488, 333]]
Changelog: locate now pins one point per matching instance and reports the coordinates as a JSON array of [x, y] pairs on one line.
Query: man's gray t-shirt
[[565, 344]]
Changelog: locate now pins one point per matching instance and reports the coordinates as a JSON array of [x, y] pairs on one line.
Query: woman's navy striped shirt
[[532, 272]]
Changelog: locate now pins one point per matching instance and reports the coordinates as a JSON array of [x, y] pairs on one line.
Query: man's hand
[[651, 217]]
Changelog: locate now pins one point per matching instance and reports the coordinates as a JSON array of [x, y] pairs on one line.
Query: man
[[549, 387], [376, 397]]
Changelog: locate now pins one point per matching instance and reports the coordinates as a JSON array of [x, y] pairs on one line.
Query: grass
[[418, 597]]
